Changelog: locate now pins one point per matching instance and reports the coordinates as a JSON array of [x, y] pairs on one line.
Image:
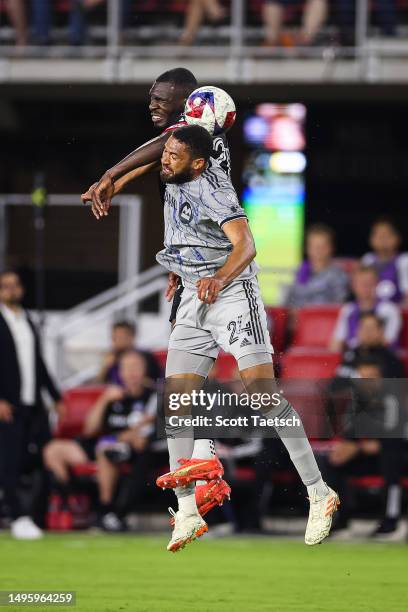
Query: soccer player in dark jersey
[[168, 95]]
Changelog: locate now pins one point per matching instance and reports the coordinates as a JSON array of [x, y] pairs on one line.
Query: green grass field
[[135, 573]]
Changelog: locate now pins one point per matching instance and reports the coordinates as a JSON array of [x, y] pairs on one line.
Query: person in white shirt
[[23, 376]]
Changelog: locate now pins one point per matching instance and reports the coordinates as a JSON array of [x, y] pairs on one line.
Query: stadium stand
[[314, 326]]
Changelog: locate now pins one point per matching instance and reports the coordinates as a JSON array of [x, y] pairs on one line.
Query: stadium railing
[[371, 34]]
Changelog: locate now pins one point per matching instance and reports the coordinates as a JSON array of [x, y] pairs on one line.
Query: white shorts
[[236, 322]]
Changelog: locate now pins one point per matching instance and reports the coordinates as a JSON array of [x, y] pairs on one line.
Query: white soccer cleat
[[320, 516], [24, 528], [187, 527]]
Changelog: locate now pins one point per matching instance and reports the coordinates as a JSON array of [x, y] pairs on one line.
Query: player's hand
[[6, 412], [113, 393], [208, 289], [87, 196], [172, 284], [102, 196]]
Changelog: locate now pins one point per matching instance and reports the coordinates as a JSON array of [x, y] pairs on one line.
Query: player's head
[[370, 331], [168, 95], [11, 288], [132, 369], [186, 154], [123, 336], [364, 283], [384, 237], [319, 242]]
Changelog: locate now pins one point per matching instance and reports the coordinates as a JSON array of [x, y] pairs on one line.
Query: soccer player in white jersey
[[168, 95], [208, 244]]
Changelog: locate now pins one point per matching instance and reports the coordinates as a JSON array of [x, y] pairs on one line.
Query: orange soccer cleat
[[209, 495], [190, 471]]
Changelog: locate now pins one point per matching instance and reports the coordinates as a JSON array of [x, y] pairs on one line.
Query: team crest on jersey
[[186, 213]]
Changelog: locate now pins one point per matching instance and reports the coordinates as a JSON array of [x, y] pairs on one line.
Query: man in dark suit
[[23, 418]]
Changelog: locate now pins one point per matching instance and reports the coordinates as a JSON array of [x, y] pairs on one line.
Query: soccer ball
[[212, 108]]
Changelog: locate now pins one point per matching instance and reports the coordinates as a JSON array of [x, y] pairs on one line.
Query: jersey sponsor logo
[[186, 213]]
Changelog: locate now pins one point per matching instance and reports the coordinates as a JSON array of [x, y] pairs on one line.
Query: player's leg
[[201, 466], [323, 500], [187, 521], [241, 328], [203, 448], [192, 352]]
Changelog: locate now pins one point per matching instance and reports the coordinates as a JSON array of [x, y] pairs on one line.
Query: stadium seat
[[277, 323], [404, 331], [161, 357], [347, 264], [78, 402], [314, 326], [306, 364]]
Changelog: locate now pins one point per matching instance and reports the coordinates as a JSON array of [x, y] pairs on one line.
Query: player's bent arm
[[121, 183], [147, 153], [243, 252]]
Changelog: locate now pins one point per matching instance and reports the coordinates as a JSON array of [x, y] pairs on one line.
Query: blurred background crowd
[[270, 23], [89, 456]]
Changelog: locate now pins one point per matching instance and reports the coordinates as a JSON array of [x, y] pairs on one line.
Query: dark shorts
[[176, 303], [88, 445]]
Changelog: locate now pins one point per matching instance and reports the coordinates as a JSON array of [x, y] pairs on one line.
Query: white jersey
[[194, 214]]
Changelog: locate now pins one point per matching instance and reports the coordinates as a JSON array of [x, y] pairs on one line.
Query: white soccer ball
[[212, 108]]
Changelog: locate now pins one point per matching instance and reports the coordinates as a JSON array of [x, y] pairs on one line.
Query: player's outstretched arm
[[243, 252], [103, 192], [118, 186]]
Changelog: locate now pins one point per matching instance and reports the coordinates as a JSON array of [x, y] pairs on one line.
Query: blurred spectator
[[314, 16], [385, 12], [371, 343], [392, 267], [23, 376], [370, 444], [118, 429], [17, 15], [197, 11], [123, 339], [318, 280], [364, 283], [78, 15]]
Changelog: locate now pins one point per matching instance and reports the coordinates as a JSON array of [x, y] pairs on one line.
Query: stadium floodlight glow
[[287, 162]]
